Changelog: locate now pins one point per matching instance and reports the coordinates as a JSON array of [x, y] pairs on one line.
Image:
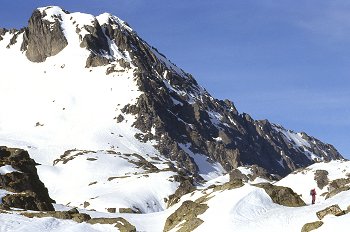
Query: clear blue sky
[[286, 60]]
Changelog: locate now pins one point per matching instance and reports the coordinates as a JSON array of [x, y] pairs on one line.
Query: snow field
[[303, 182]]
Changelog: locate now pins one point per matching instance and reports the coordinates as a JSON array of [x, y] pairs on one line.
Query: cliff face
[[43, 38], [182, 119], [18, 176]]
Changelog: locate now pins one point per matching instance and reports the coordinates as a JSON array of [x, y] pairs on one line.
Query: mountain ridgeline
[[182, 119]]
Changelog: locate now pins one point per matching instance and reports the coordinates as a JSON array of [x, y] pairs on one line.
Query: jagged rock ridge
[[173, 110]]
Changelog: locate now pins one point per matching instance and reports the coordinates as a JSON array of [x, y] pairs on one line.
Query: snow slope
[[247, 208], [101, 180], [18, 223], [62, 106], [303, 181]]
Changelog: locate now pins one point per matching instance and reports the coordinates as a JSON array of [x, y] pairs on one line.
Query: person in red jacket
[[313, 195]]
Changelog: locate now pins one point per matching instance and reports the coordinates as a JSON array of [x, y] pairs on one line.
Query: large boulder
[[187, 212], [282, 195], [311, 226], [333, 210]]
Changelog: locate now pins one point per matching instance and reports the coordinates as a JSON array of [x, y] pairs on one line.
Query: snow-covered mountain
[[119, 129], [75, 81]]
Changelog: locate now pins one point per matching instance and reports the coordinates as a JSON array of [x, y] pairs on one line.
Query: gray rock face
[[95, 40], [29, 192], [42, 38], [2, 33], [183, 113], [96, 60]]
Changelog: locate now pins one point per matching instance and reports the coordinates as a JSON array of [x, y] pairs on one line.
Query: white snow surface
[[18, 223], [7, 169], [108, 180], [208, 169]]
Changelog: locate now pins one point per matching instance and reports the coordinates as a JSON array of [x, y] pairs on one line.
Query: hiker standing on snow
[[313, 195]]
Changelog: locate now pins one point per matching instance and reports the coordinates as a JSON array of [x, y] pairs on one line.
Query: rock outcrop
[[256, 172], [311, 226], [43, 38], [282, 195], [333, 210], [186, 214], [321, 178], [26, 191]]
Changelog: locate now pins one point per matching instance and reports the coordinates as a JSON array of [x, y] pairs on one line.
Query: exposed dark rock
[[81, 217], [187, 212], [4, 207], [129, 210], [125, 226], [311, 226], [2, 33], [256, 171], [186, 186], [233, 184], [123, 66], [321, 178], [336, 191], [68, 156], [96, 60], [70, 214], [338, 186], [73, 211], [236, 174], [333, 210], [120, 118], [95, 40], [86, 204], [339, 183], [111, 210], [13, 40], [42, 38], [28, 201], [122, 224], [29, 191], [143, 163], [240, 140], [282, 195]]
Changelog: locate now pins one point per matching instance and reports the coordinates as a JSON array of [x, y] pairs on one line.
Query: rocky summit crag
[[173, 110]]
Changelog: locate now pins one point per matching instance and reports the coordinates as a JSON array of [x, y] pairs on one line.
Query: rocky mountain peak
[[43, 38], [172, 111]]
